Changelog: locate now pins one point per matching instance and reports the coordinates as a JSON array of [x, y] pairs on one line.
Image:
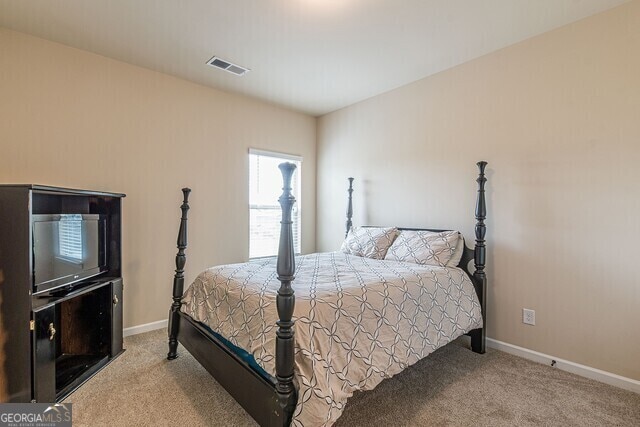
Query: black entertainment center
[[60, 289]]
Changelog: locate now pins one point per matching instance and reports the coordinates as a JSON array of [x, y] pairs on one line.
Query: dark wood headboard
[[477, 254]]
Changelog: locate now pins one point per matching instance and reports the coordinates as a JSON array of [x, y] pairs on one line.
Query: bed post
[[349, 207], [285, 301], [478, 336], [178, 279]]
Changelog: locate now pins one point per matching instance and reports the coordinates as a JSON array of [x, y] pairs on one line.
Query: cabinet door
[[44, 358], [116, 317]]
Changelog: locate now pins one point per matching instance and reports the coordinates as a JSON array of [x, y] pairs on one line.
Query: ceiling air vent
[[227, 66]]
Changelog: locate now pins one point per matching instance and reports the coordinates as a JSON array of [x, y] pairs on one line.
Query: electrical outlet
[[528, 316]]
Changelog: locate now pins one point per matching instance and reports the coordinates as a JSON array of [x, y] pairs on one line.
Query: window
[[265, 186]]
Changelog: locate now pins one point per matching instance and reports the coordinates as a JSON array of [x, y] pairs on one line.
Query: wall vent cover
[[227, 66]]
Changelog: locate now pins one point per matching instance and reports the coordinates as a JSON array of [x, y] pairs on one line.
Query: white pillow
[[457, 254], [370, 242], [424, 247]]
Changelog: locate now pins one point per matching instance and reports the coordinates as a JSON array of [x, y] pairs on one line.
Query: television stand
[[58, 326]]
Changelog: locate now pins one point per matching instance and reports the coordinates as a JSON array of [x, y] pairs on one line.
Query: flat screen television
[[67, 248]]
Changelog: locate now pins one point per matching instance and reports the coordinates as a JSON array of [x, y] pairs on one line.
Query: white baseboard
[[565, 365], [135, 330]]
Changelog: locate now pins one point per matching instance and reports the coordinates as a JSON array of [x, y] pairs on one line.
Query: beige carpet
[[451, 387]]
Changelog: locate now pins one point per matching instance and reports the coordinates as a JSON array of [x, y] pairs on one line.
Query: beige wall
[[558, 119], [72, 118]]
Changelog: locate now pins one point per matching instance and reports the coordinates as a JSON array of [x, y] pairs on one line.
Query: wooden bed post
[[178, 279], [285, 301], [349, 207], [478, 336]]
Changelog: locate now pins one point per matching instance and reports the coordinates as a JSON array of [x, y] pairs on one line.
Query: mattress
[[358, 320]]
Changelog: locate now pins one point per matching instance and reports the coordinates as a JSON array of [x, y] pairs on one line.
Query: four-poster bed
[[268, 390]]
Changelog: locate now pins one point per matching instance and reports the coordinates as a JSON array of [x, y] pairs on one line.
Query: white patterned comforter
[[358, 320]]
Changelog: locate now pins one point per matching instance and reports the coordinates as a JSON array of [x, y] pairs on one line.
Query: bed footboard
[[178, 279], [271, 404], [478, 336], [285, 300]]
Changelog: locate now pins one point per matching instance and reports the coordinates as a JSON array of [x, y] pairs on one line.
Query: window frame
[[297, 192]]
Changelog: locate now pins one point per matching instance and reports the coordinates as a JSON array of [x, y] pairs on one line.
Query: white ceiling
[[314, 56]]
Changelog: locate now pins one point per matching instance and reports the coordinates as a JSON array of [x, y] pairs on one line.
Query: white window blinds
[[265, 186]]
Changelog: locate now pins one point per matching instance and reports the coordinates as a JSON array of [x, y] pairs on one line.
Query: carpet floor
[[451, 387]]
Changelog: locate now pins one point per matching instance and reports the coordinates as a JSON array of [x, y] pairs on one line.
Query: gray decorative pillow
[[457, 254], [369, 242], [424, 247]]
